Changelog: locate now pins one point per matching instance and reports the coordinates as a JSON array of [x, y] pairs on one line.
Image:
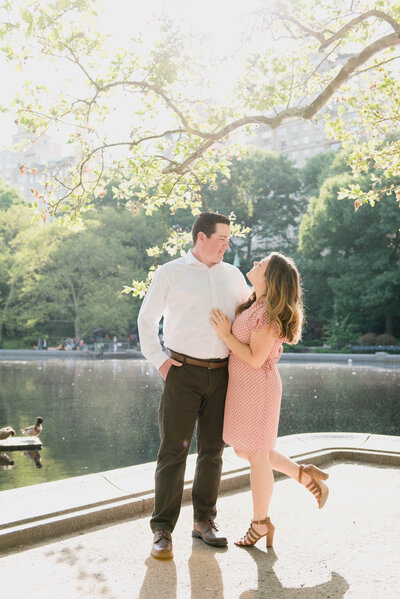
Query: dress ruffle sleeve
[[259, 318]]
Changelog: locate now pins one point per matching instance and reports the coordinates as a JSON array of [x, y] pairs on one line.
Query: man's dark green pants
[[190, 393]]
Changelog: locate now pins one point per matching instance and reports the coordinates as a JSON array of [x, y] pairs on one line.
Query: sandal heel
[[270, 535], [252, 536], [315, 486], [324, 494], [319, 473]]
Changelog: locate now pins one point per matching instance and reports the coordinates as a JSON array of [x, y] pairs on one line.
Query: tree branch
[[375, 66], [371, 13], [307, 112], [351, 65], [307, 30], [325, 42]]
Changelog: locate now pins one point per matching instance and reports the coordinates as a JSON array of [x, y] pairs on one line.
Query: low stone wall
[[33, 354], [33, 514], [377, 359]]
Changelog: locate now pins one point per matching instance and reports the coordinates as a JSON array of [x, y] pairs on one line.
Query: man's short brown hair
[[206, 222]]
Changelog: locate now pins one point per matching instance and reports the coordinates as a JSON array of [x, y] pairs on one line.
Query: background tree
[[263, 191], [9, 196], [350, 261], [57, 281], [315, 171], [15, 218], [79, 285]]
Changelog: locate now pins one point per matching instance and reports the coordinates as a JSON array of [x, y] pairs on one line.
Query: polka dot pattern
[[254, 395]]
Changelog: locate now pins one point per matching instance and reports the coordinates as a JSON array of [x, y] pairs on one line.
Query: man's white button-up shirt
[[184, 291]]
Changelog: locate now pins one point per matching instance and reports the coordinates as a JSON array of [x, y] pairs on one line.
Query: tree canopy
[[298, 60], [264, 191], [57, 281], [350, 261]]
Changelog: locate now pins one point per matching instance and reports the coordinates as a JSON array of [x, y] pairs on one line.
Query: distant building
[[299, 140], [35, 160]]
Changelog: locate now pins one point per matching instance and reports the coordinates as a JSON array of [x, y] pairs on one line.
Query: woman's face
[[256, 275]]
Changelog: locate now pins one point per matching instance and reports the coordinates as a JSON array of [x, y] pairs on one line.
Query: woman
[[272, 315]]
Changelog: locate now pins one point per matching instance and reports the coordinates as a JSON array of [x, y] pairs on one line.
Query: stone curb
[[318, 448]]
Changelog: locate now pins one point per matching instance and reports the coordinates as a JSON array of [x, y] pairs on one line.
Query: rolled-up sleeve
[[149, 318]]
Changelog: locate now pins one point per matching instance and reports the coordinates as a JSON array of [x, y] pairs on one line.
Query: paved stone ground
[[350, 550]]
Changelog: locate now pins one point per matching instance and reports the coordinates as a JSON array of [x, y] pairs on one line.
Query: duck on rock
[[35, 430], [6, 432]]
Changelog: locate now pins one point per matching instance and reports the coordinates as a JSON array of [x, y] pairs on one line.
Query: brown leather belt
[[210, 364]]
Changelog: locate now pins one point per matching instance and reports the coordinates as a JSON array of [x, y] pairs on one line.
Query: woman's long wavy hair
[[283, 300]]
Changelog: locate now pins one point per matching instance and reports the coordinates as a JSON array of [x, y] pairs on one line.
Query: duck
[[33, 431], [6, 463], [6, 432]]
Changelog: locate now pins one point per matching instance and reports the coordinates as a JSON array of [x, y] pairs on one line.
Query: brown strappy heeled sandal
[[316, 486], [252, 536]]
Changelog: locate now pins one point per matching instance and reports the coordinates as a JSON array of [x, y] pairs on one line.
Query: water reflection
[[34, 455], [6, 463], [101, 415]]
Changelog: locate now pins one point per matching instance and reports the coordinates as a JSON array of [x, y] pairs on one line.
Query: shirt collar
[[190, 258]]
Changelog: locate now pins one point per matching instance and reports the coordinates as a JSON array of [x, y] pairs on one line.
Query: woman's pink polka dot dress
[[253, 397]]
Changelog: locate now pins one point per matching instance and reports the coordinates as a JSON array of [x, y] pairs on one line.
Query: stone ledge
[[51, 510], [14, 443]]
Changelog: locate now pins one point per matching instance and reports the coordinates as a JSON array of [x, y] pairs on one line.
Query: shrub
[[386, 339], [339, 333], [368, 339]]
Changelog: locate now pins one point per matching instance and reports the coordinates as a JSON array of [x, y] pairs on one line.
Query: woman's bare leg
[[280, 463], [262, 484], [241, 454], [283, 464], [315, 485]]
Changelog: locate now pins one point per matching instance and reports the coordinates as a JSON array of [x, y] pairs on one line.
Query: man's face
[[213, 248]]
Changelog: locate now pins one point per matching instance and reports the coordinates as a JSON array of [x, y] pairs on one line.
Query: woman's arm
[[261, 341]]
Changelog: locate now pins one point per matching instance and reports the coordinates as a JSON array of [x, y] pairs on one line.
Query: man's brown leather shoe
[[206, 530], [162, 545]]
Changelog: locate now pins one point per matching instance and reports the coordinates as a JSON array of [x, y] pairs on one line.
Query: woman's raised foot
[[311, 477]]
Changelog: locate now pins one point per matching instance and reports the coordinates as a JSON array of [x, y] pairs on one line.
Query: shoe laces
[[164, 534]]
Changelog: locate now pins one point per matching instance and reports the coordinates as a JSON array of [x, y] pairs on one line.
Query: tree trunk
[[249, 248], [389, 324], [77, 326]]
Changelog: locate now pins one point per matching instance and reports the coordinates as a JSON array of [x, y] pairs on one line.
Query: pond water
[[101, 415]]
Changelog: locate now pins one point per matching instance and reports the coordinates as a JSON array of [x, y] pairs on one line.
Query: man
[[195, 372]]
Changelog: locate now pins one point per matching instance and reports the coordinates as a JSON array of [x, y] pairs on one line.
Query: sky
[[220, 21]]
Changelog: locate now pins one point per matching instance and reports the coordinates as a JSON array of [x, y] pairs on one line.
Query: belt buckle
[[209, 366]]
